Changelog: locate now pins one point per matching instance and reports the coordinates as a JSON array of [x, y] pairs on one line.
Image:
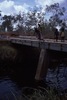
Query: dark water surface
[[13, 77], [8, 89], [58, 78], [11, 85]]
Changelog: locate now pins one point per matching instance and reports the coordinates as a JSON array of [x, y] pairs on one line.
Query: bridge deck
[[51, 44], [45, 43]]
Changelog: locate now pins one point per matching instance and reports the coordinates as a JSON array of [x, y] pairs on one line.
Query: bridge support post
[[43, 64]]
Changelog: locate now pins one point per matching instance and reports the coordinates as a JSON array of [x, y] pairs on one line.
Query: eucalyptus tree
[[19, 21], [0, 20], [56, 14], [7, 23], [34, 17]]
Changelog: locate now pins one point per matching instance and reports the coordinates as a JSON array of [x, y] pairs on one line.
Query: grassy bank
[[41, 93], [6, 51]]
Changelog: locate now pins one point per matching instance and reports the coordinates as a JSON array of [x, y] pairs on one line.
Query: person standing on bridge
[[56, 33], [62, 33], [38, 31]]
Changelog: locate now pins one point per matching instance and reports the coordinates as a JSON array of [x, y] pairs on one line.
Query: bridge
[[44, 45], [51, 44]]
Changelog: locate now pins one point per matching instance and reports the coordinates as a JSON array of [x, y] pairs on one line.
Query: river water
[[58, 78], [11, 85], [8, 89], [13, 77]]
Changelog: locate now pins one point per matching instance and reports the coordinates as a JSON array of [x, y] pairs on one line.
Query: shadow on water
[[20, 73]]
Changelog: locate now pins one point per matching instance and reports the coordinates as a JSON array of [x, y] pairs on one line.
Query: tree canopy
[[24, 22]]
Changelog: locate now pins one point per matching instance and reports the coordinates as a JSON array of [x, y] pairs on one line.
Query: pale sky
[[15, 6]]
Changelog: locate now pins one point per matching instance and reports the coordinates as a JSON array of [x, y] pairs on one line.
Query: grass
[[39, 94], [7, 52], [43, 94]]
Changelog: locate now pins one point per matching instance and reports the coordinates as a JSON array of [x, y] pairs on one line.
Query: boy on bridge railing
[[56, 33], [38, 32]]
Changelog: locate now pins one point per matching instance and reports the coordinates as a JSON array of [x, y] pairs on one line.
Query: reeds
[[39, 94]]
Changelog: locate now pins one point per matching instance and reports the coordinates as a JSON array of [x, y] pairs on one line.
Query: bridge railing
[[27, 37]]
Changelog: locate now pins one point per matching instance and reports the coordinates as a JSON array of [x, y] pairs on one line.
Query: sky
[[8, 7]]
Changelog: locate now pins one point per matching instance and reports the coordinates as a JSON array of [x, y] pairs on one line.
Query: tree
[[7, 23], [56, 14]]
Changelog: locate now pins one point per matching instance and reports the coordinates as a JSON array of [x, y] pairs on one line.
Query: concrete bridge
[[51, 44], [45, 45]]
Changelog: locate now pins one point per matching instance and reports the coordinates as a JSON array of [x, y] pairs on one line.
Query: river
[[10, 83], [14, 76]]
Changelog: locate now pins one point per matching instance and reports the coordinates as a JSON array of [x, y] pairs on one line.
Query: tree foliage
[[24, 22], [57, 13]]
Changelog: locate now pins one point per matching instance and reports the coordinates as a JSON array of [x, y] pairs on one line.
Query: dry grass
[[39, 94]]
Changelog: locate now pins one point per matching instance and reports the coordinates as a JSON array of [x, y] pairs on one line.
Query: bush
[[7, 52]]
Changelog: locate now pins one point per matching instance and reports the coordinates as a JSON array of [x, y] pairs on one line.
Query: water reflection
[[8, 89], [57, 77]]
